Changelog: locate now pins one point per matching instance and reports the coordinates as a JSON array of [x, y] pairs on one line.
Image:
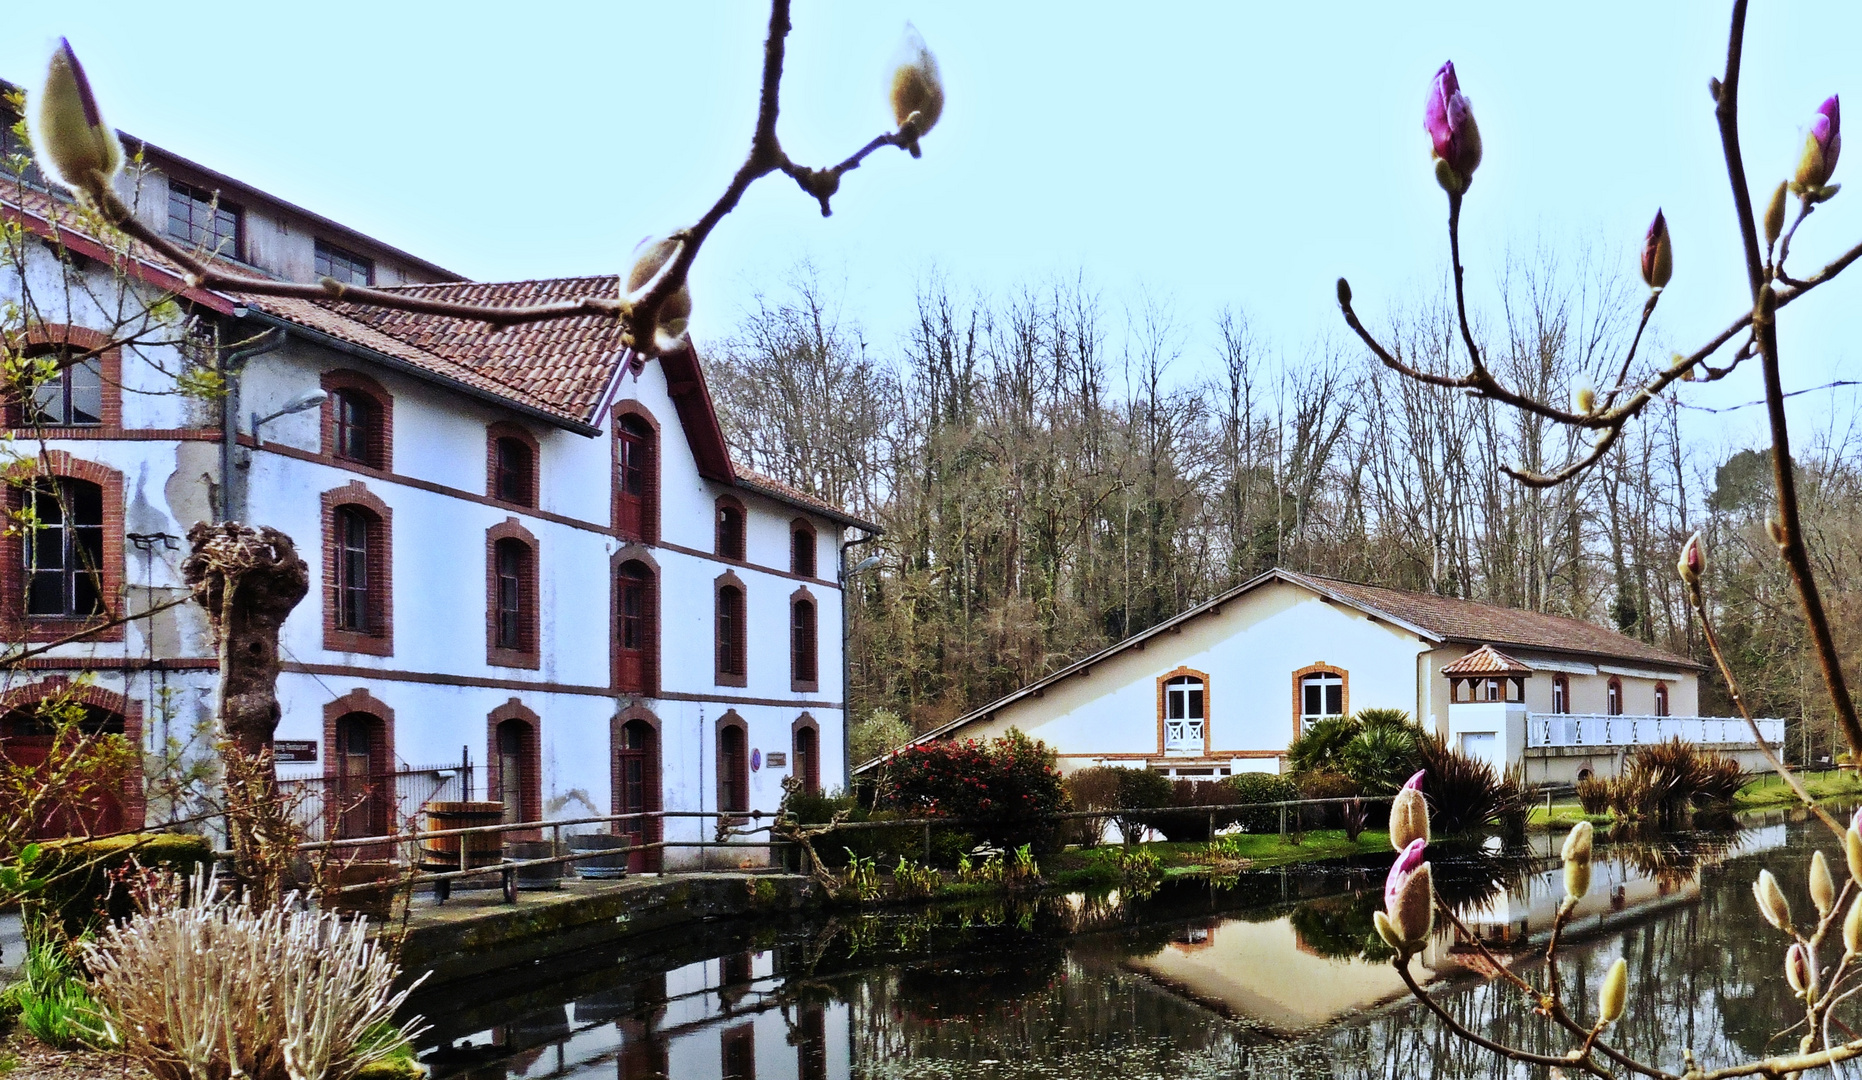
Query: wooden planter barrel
[[530, 878], [439, 854]]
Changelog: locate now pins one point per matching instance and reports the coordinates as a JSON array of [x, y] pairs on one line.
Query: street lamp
[[846, 660], [309, 399]]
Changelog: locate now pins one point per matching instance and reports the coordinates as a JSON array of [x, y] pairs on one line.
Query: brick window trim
[[616, 742], [381, 750], [45, 336], [1208, 714], [633, 408], [528, 597], [357, 382], [531, 750], [805, 722], [743, 526], [381, 590], [134, 797], [797, 684], [13, 618], [505, 429], [1321, 668], [730, 719], [1613, 708], [803, 525], [721, 677], [1664, 698], [641, 554]]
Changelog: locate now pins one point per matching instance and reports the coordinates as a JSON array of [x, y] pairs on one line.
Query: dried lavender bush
[[199, 987]]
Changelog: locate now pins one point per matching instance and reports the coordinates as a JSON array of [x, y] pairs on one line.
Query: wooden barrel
[[439, 854]]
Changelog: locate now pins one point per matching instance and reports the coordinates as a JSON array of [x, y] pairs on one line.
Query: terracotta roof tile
[[1486, 660], [768, 485], [1469, 621]]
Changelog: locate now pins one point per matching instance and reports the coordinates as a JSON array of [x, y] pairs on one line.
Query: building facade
[[536, 573]]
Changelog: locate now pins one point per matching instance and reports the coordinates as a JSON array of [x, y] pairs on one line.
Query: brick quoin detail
[[381, 566], [382, 445], [530, 632], [134, 797], [531, 755], [55, 337], [59, 463], [504, 429]]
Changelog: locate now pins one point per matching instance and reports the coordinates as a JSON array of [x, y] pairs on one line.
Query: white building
[[529, 550], [1224, 687]]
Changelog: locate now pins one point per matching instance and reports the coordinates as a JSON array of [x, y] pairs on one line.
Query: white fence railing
[[1598, 729]]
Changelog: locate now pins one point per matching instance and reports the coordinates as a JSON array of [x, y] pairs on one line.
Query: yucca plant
[[1466, 794]]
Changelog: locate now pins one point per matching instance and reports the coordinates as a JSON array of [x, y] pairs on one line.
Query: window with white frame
[[1322, 695], [1183, 714]]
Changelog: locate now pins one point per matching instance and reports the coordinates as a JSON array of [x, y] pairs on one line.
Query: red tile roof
[[1486, 660]]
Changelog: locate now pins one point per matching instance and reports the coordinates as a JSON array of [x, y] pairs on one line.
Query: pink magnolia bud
[[1822, 146], [1657, 253], [69, 134], [1449, 119], [1692, 560], [1409, 901], [1800, 970], [1409, 815]]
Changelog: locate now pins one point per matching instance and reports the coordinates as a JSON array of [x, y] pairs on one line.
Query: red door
[[638, 761], [95, 810], [633, 481], [634, 629]]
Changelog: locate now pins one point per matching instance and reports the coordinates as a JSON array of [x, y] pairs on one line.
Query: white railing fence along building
[[1544, 730]]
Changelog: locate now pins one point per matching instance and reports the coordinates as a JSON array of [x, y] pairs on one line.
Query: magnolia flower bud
[[1657, 253], [1692, 561], [1344, 293], [1800, 970], [1822, 146], [1852, 928], [1577, 881], [675, 314], [1456, 139], [1852, 853], [1772, 903], [1614, 993], [79, 150], [1578, 843], [1774, 214], [1576, 855], [1409, 901], [917, 90], [1822, 886], [1774, 529], [1409, 815], [1585, 399]]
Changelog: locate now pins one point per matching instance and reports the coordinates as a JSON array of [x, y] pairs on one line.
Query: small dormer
[[1489, 675]]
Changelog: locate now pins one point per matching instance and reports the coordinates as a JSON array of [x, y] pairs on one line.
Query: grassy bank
[[1771, 791]]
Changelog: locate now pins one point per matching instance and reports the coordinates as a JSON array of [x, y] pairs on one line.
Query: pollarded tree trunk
[[249, 580]]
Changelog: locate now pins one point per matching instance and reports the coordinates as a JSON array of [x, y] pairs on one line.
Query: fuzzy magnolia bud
[[1775, 529], [1409, 815], [1614, 993], [1800, 970], [1585, 400], [1576, 855], [1774, 213], [917, 89], [1852, 929], [1822, 885], [1692, 561], [650, 255], [1657, 253], [1822, 146], [1455, 138], [1409, 902], [1772, 904], [1852, 852], [1344, 293], [68, 130]]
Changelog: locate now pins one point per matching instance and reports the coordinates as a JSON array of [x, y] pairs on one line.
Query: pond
[[1275, 974]]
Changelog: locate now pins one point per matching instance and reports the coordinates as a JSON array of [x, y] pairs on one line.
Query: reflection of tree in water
[[1341, 927]]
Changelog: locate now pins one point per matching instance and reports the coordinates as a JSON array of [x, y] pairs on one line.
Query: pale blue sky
[[1215, 154]]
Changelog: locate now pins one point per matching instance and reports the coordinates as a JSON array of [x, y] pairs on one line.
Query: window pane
[[1334, 698], [86, 385], [1196, 703], [1311, 707]]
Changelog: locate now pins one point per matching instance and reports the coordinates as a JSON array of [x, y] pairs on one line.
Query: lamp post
[[307, 400], [846, 661]]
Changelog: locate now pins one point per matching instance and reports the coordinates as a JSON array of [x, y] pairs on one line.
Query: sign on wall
[[777, 759], [294, 750]]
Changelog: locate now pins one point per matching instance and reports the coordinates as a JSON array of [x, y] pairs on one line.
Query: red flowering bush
[[1008, 786]]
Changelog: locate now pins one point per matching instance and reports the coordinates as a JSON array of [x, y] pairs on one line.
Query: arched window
[[636, 629], [804, 670], [513, 624], [1561, 694], [732, 665], [1614, 697], [806, 747], [64, 548], [1661, 699], [636, 787], [635, 480], [802, 548], [1184, 721], [1321, 696], [358, 423], [361, 789], [733, 767], [76, 379], [358, 562], [513, 471], [730, 529]]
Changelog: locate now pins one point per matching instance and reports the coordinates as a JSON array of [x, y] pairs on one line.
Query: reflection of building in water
[[714, 1020]]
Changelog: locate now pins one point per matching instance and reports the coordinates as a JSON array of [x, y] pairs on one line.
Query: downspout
[[232, 366], [846, 669]]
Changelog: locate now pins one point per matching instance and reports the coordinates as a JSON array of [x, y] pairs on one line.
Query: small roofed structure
[[1489, 675]]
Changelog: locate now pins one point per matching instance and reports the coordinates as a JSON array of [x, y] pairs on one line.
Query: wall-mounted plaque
[[777, 759], [294, 750]]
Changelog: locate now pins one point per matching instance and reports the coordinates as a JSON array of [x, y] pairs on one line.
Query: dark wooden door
[[638, 767]]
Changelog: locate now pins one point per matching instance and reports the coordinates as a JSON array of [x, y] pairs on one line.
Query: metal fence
[[375, 805]]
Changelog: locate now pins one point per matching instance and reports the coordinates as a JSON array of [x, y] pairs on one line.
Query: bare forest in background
[[1056, 471]]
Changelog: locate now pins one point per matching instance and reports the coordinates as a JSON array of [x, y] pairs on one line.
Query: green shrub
[[79, 895], [1672, 776], [1193, 824], [1007, 786], [1261, 788], [1140, 789], [876, 736], [1382, 754], [1326, 784], [51, 999], [1093, 788], [1318, 747], [1594, 794]]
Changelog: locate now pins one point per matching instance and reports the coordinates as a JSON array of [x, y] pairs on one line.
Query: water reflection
[[1280, 974]]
